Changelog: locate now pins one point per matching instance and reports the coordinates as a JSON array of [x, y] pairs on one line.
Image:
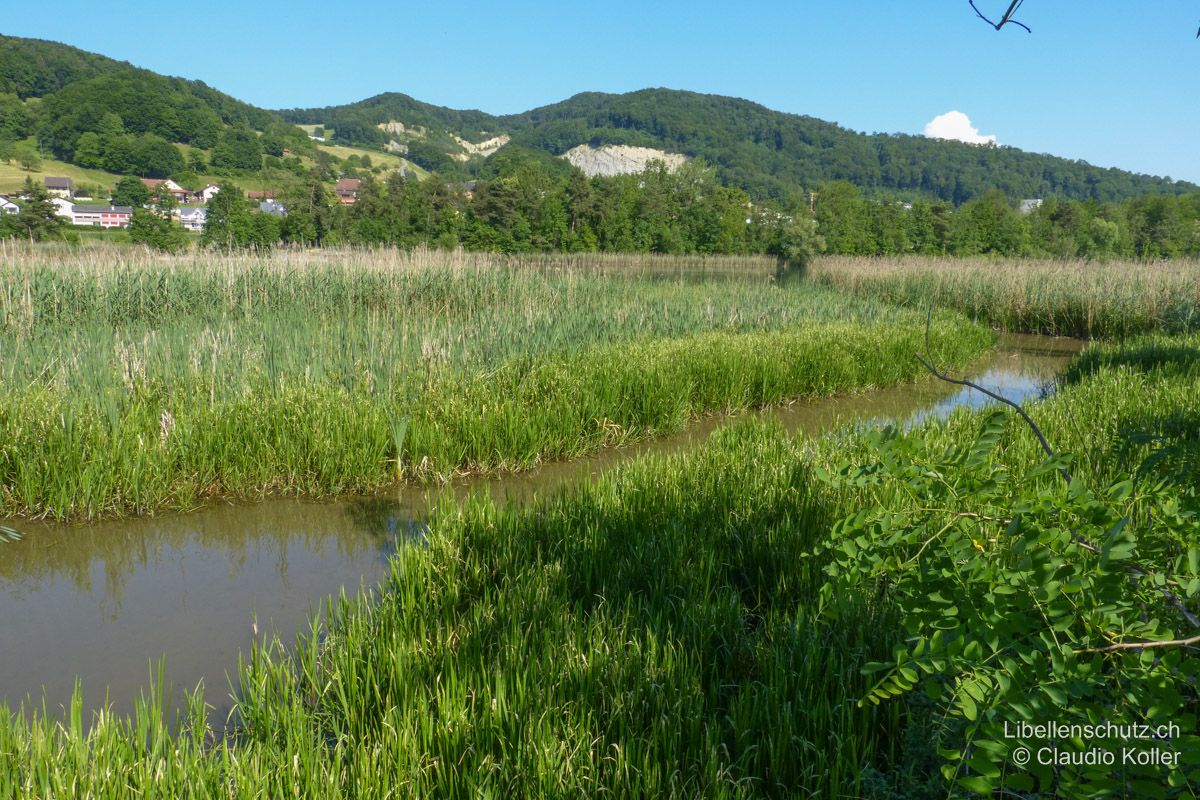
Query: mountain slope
[[768, 153], [65, 95], [37, 68]]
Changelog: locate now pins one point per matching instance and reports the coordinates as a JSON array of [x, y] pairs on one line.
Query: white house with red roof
[[157, 186]]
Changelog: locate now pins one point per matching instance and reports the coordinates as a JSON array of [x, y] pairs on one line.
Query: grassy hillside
[[12, 177], [390, 161], [768, 153]]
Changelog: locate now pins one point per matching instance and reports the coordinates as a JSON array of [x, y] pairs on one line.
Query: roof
[[347, 185], [103, 209], [260, 195], [152, 183], [58, 183], [271, 207], [193, 212]]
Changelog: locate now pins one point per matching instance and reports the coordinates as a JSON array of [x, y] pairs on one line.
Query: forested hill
[[60, 94], [96, 112], [768, 153]]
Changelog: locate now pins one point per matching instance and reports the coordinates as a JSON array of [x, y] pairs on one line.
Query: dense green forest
[[768, 154], [96, 112]]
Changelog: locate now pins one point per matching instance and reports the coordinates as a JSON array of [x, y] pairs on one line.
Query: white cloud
[[956, 125]]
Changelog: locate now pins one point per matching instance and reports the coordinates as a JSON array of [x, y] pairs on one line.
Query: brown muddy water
[[106, 603]]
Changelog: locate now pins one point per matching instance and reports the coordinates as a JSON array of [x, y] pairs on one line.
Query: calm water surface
[[105, 602]]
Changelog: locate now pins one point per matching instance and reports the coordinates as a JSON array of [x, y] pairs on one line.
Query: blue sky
[[1113, 83]]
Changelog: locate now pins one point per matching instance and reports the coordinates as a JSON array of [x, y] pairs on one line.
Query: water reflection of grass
[[239, 535]]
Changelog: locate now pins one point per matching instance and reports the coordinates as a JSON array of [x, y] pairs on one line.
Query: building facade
[[102, 216]]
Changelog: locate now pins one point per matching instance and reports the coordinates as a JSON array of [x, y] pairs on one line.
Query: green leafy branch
[[1024, 596]]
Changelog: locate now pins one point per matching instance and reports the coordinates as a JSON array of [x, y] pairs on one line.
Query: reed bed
[[131, 382], [653, 633], [1076, 298]]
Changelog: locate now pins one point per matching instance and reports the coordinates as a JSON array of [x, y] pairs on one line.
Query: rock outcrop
[[620, 159]]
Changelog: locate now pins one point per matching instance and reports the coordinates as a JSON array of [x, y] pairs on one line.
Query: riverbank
[[659, 631]]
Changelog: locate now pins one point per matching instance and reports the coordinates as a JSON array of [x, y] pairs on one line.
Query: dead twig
[[1007, 18], [1113, 648], [927, 361], [1135, 571]]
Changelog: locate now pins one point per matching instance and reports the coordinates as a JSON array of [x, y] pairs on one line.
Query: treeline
[[531, 202], [535, 204], [1151, 227]]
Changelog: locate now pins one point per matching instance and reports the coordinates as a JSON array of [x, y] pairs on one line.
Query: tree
[[130, 192], [16, 120], [155, 157], [89, 150], [796, 243], [239, 149], [29, 160], [310, 215], [154, 230], [228, 224], [197, 162], [39, 219]]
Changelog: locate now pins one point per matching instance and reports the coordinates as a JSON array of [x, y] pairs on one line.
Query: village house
[[102, 216], [347, 190], [62, 207], [60, 187], [157, 186], [260, 196], [272, 207], [7, 206], [207, 193], [193, 219]]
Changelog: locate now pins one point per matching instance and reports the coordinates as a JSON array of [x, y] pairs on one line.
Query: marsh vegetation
[[738, 621]]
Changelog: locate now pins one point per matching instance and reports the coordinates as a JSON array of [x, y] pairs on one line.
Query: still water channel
[[104, 602]]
